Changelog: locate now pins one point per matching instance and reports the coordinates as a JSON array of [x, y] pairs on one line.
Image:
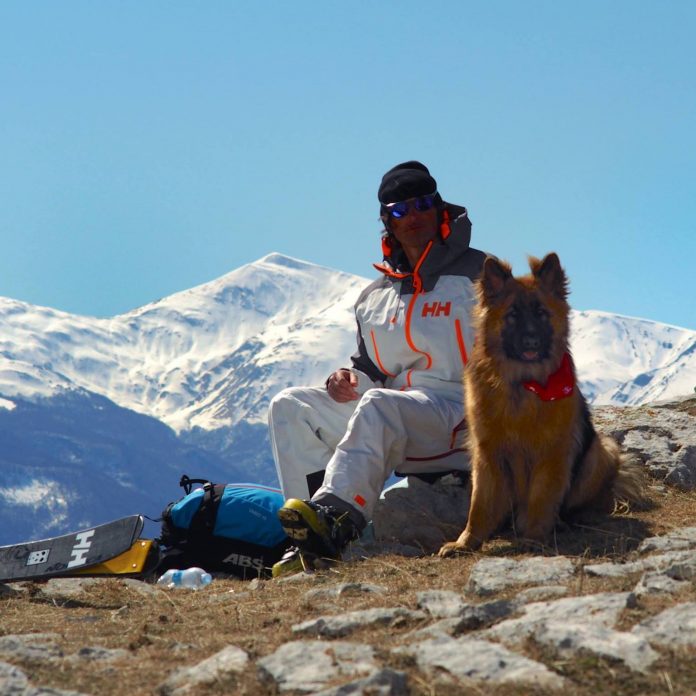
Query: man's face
[[416, 228]]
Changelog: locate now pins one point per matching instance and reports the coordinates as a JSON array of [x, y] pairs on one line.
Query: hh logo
[[435, 309], [79, 551]]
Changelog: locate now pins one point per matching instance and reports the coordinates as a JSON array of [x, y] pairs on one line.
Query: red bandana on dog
[[559, 385]]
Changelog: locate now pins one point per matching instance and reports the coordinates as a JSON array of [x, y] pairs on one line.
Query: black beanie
[[406, 180]]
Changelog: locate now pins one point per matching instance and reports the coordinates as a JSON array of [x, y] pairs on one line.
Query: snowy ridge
[[190, 359], [628, 361], [210, 356]]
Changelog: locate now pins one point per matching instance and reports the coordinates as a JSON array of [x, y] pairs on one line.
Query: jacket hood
[[451, 243]]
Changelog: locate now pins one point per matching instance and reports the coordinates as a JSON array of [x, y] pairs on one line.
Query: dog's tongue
[[530, 355]]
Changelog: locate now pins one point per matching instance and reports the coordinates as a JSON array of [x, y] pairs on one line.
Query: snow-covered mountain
[[198, 358], [99, 417], [627, 361]]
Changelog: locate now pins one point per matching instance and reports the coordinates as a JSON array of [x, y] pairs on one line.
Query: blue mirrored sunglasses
[[401, 208]]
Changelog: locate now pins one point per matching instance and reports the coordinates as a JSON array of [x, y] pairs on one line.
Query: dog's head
[[525, 319]]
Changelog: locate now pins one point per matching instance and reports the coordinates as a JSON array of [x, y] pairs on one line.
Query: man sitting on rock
[[398, 406]]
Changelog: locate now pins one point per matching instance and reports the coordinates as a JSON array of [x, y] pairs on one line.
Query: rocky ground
[[610, 608]]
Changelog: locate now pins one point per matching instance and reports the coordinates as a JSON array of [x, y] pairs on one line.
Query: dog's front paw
[[452, 548]]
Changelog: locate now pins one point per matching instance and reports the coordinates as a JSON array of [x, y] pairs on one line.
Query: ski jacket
[[414, 328]]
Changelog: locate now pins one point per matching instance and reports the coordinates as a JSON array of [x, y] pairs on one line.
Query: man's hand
[[341, 386]]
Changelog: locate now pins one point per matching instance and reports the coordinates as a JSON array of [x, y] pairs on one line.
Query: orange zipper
[[377, 358], [460, 341], [417, 290]]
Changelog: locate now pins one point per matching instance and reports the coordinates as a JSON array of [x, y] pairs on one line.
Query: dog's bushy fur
[[532, 459]]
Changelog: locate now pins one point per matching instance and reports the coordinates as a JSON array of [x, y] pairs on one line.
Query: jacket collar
[[453, 239]]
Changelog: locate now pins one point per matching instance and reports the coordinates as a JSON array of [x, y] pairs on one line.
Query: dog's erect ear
[[550, 275], [495, 275]]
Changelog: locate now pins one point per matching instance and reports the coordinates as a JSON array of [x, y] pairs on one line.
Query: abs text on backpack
[[231, 528]]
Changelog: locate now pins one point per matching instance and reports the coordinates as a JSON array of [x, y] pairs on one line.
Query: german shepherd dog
[[534, 451]]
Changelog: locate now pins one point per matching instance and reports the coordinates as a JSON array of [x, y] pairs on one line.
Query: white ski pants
[[359, 444]]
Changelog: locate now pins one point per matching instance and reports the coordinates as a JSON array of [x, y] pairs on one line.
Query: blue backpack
[[231, 528]]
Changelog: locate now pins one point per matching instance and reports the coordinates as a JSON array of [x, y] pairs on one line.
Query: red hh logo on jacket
[[435, 309]]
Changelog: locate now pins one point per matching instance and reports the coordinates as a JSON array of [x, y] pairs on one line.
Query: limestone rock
[[342, 589], [654, 582], [97, 653], [7, 590], [474, 659], [31, 646], [143, 588], [68, 588], [308, 666], [492, 575], [13, 682], [420, 514], [570, 638], [441, 604], [229, 660], [677, 539], [450, 605], [541, 593], [674, 626], [660, 562], [344, 624], [385, 682], [663, 436], [598, 609], [683, 568]]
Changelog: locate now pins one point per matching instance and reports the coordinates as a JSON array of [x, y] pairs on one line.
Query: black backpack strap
[[187, 483], [203, 522]]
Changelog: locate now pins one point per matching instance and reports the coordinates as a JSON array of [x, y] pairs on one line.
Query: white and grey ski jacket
[[414, 327]]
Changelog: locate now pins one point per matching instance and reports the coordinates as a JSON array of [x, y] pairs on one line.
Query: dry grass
[[163, 630]]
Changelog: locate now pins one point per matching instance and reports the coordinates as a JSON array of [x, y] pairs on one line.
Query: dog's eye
[[541, 312], [512, 316]]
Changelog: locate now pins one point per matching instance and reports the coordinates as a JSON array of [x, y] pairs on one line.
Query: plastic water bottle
[[191, 578]]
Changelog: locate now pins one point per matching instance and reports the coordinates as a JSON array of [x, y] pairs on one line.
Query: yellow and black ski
[[106, 549], [138, 560]]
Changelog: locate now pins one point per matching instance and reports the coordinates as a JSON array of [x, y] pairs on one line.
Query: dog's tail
[[630, 484]]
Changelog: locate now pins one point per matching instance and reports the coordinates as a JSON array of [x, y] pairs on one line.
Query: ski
[[139, 560], [69, 554]]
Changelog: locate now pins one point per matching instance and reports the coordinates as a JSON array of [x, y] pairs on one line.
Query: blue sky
[[147, 147]]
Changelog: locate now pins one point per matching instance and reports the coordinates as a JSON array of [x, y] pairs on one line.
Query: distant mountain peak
[[288, 262], [276, 259]]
